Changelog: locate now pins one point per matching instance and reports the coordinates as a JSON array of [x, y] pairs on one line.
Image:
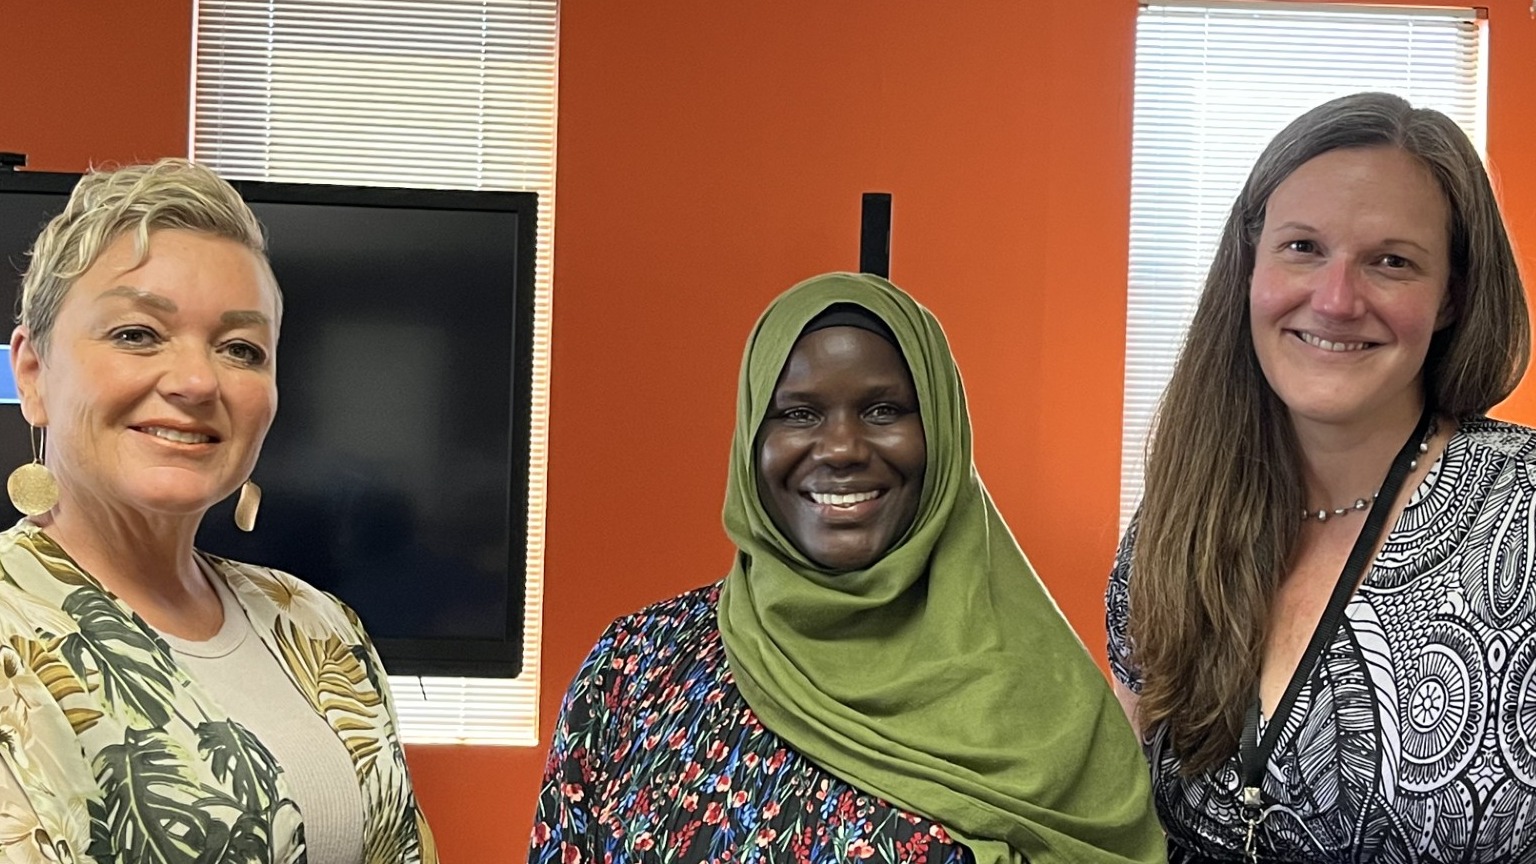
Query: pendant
[[1252, 804]]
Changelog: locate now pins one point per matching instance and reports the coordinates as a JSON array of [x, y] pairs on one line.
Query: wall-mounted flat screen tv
[[396, 473]]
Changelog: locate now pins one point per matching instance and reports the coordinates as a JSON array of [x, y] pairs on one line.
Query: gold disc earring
[[32, 489], [247, 506]]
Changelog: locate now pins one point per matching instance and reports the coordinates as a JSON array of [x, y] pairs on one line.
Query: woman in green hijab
[[880, 677]]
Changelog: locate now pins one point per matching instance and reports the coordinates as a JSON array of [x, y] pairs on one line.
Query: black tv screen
[[396, 473]]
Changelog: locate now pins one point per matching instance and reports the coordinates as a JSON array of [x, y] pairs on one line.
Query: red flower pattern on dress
[[657, 759]]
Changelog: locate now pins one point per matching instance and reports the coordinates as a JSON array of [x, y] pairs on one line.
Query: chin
[[1341, 409], [166, 503], [843, 559], [177, 510], [178, 489], [1321, 412]]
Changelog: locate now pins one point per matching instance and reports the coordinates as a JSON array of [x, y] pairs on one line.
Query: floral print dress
[[658, 758], [115, 754]]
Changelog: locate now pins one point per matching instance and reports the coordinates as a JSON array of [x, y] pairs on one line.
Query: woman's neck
[[146, 561], [1343, 463]]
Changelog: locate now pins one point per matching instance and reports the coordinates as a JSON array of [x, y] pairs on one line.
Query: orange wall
[[94, 81], [711, 154]]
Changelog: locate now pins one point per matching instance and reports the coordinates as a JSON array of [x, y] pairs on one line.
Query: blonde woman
[[158, 703]]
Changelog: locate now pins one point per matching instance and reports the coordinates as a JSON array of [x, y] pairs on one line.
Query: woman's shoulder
[[685, 622], [1486, 435], [36, 574], [1486, 455], [682, 612], [270, 596]]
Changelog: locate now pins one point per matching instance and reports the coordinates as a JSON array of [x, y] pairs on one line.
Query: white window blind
[[1214, 83], [456, 94]]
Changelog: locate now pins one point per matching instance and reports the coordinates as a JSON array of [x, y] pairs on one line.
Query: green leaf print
[[245, 842], [131, 663], [149, 812], [239, 759]]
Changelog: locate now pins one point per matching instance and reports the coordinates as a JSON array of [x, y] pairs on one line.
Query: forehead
[[182, 266], [845, 354], [1362, 188]]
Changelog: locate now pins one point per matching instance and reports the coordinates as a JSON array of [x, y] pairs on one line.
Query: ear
[[27, 371]]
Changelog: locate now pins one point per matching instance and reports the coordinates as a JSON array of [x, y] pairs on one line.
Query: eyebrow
[[1390, 241], [236, 318], [1395, 241], [141, 297], [878, 391], [244, 318]]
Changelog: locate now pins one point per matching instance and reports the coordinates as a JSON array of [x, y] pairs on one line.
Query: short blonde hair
[[105, 205]]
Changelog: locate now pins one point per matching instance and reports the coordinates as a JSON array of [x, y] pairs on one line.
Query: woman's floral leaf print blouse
[[117, 755], [657, 758]]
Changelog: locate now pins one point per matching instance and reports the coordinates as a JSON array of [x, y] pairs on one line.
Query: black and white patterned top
[[1414, 737]]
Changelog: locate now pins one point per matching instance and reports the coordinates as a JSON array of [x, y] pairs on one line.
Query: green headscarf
[[942, 678]]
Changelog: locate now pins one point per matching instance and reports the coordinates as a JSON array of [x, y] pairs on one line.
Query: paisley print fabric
[[1413, 740], [658, 758], [116, 755]]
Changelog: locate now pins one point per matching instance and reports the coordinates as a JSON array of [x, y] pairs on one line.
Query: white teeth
[[177, 435], [1324, 344], [843, 500]]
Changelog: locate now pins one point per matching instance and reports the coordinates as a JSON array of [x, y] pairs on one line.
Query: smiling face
[[841, 454], [160, 381], [1350, 282]]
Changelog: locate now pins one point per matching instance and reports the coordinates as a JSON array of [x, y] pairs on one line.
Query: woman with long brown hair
[[1321, 619]]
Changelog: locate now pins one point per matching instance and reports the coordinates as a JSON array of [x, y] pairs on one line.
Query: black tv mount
[[875, 235], [12, 161]]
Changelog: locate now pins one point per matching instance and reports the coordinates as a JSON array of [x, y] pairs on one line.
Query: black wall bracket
[[875, 235]]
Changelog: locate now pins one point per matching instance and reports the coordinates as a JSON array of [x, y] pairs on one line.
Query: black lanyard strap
[[1253, 753]]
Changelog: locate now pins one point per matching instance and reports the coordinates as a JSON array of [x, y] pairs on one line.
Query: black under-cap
[[851, 315]]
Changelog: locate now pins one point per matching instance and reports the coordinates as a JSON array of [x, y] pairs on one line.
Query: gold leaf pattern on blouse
[[86, 684], [41, 657], [336, 685]]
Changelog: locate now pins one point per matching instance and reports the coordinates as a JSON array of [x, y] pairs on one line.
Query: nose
[[842, 441], [190, 377], [1338, 291]]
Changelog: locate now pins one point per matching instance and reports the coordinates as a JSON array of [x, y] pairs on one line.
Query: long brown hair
[[1218, 520]]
